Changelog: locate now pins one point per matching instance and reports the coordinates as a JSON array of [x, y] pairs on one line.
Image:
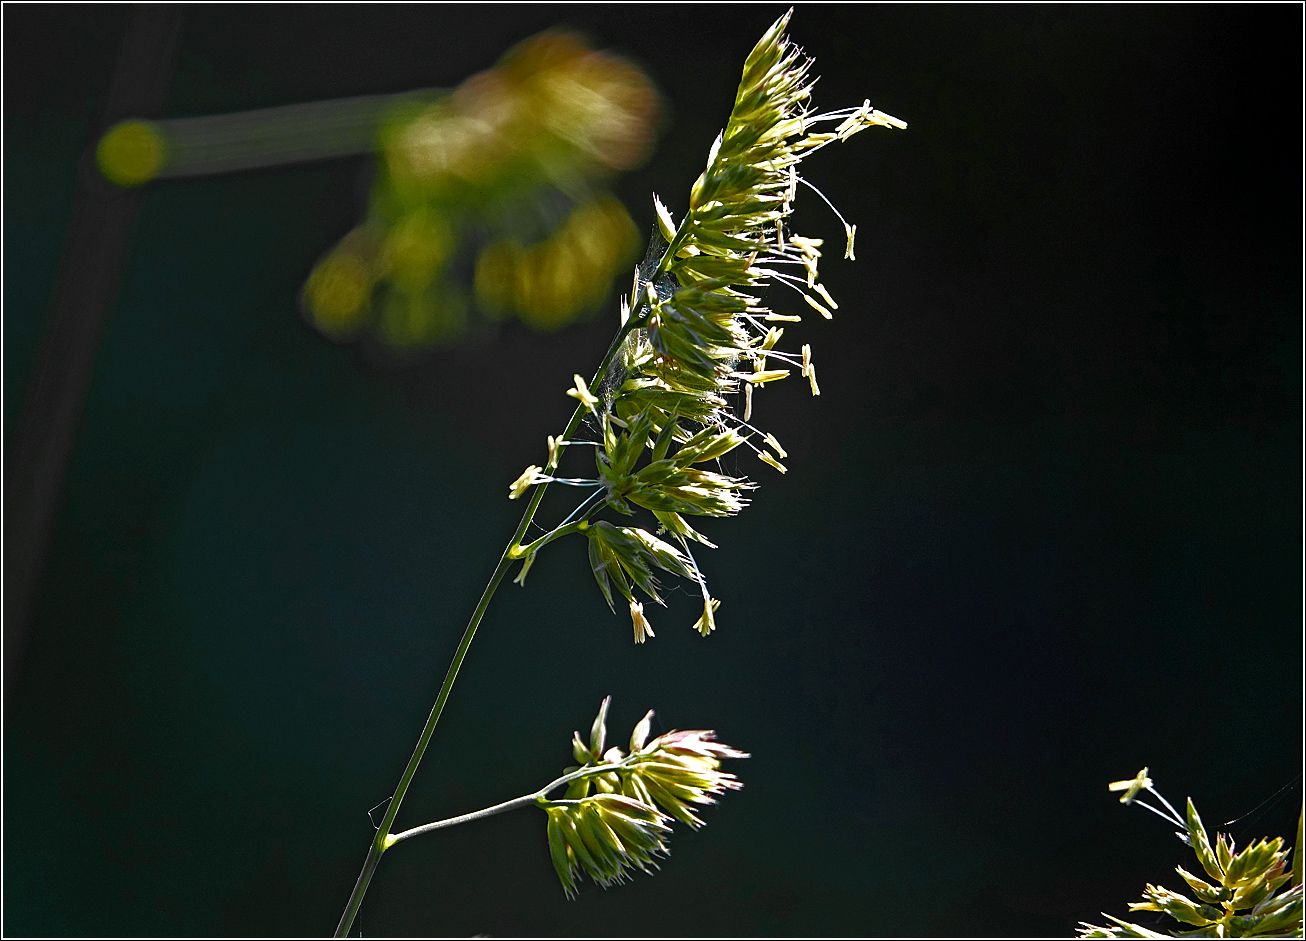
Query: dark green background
[[1041, 528]]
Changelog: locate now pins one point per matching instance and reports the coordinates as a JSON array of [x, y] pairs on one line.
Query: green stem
[[524, 801], [382, 841], [582, 524]]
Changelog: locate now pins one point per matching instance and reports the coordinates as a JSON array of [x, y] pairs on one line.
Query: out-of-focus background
[[1041, 528]]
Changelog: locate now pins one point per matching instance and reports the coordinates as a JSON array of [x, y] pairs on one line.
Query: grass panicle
[[698, 341], [1242, 898]]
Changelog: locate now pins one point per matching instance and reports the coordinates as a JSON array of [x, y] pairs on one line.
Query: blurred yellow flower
[[494, 197]]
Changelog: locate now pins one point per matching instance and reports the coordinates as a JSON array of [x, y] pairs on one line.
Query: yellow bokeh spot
[[493, 279], [415, 250], [555, 281], [131, 153], [337, 293]]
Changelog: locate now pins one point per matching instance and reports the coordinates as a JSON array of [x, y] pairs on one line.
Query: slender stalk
[[360, 889], [566, 529], [532, 798], [382, 841]]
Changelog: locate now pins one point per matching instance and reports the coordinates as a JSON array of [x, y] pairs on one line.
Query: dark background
[[1041, 528]]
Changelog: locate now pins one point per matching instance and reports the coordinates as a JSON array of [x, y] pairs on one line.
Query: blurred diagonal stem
[[383, 838], [270, 137]]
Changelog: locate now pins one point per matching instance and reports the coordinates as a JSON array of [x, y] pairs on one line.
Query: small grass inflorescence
[[1242, 900]]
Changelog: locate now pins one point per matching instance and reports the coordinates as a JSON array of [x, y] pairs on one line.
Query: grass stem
[[383, 838]]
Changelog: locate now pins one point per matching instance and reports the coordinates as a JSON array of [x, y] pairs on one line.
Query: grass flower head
[[617, 818], [605, 836], [1241, 900], [697, 338]]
